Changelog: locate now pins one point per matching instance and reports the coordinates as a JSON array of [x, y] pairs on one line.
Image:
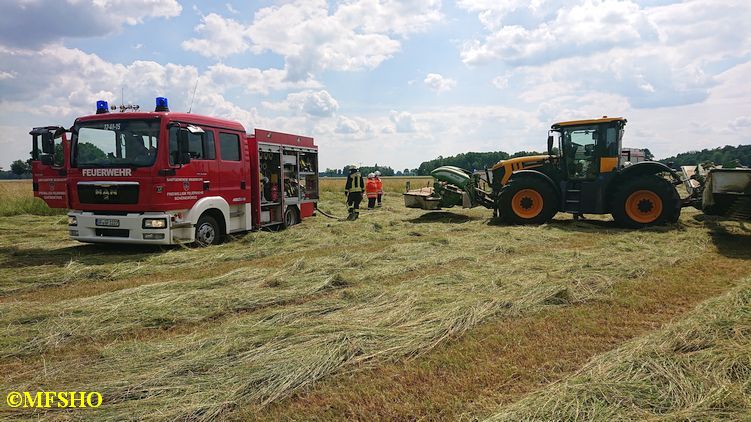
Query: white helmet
[[371, 175], [377, 173]]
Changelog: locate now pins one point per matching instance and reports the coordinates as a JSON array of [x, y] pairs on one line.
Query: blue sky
[[388, 82]]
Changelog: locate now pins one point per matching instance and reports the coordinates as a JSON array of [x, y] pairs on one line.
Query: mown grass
[[698, 368], [198, 333]]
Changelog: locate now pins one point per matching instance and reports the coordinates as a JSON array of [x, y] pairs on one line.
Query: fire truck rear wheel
[[207, 231], [291, 217]]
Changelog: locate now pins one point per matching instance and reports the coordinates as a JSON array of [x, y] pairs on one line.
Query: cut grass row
[[504, 359], [698, 368]]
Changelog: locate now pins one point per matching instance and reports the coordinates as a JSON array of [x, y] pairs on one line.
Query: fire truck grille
[[108, 194], [112, 232]]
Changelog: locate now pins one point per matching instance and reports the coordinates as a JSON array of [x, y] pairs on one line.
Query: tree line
[[385, 171], [470, 160], [727, 156]]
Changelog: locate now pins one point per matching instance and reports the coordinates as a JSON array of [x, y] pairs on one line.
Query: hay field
[[250, 328], [698, 368]]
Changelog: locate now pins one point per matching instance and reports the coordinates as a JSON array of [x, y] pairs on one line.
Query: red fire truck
[[166, 178]]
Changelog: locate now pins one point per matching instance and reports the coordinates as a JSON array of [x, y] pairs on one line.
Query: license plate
[[108, 222]]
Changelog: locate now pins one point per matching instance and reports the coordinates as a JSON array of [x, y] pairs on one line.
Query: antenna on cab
[[194, 95]]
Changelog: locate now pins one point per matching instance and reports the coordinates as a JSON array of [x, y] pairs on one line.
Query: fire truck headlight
[[154, 223], [72, 220]]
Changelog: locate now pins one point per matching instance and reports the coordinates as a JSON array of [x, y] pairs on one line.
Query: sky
[[388, 82]]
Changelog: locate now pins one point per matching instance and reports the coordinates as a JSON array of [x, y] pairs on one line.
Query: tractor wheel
[[291, 217], [527, 200], [208, 231], [646, 201]]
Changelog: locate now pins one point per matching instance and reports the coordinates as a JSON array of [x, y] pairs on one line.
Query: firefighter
[[353, 191], [379, 184], [371, 190]]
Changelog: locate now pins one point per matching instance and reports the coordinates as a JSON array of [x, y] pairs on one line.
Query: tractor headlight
[[72, 220], [154, 223]]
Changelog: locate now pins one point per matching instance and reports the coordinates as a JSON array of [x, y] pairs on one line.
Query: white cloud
[[655, 56], [253, 80], [438, 83], [355, 35], [577, 30], [40, 22], [355, 127], [403, 122], [232, 9], [222, 37], [740, 124], [501, 81], [313, 103]]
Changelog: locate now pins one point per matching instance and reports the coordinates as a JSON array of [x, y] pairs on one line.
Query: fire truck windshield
[[123, 143]]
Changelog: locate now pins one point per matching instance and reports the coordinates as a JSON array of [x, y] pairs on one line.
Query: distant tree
[[20, 168], [88, 152], [648, 155], [727, 156]]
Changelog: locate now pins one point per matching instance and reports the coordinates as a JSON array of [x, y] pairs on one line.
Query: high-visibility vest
[[371, 188], [379, 184], [354, 183]]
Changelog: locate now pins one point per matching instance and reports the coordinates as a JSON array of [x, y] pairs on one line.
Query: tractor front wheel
[[527, 200], [646, 201]]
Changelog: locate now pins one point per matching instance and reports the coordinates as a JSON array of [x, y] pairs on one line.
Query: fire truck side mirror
[[183, 147], [48, 143]]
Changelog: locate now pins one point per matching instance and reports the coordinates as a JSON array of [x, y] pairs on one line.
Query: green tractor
[[583, 173]]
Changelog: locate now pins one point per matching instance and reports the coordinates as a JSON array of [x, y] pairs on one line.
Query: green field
[[403, 314]]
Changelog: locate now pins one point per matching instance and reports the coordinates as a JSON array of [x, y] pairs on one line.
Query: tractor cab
[[589, 156], [587, 148]]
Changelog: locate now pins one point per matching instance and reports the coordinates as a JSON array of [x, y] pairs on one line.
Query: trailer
[[719, 191], [167, 178]]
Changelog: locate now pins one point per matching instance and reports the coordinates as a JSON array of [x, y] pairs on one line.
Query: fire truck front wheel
[[207, 231]]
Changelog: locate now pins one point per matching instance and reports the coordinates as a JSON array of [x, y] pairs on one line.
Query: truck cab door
[[234, 174], [50, 161]]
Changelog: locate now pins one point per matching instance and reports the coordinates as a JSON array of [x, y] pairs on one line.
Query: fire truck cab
[[168, 178]]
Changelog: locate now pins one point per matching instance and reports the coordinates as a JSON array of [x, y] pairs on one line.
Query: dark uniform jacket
[[354, 183]]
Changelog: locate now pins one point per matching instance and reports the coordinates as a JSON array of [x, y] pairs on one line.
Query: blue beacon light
[[102, 107], [161, 104]]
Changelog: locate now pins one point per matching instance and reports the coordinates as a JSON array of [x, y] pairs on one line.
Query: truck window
[[115, 143], [201, 145], [229, 146]]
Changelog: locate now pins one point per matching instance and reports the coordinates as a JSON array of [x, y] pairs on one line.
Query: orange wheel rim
[[527, 203], [643, 206]]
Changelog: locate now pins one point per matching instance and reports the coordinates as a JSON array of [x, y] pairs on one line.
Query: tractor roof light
[[102, 107], [161, 104]]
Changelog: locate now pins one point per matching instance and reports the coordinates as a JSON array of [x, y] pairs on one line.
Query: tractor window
[[579, 145], [611, 142]]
